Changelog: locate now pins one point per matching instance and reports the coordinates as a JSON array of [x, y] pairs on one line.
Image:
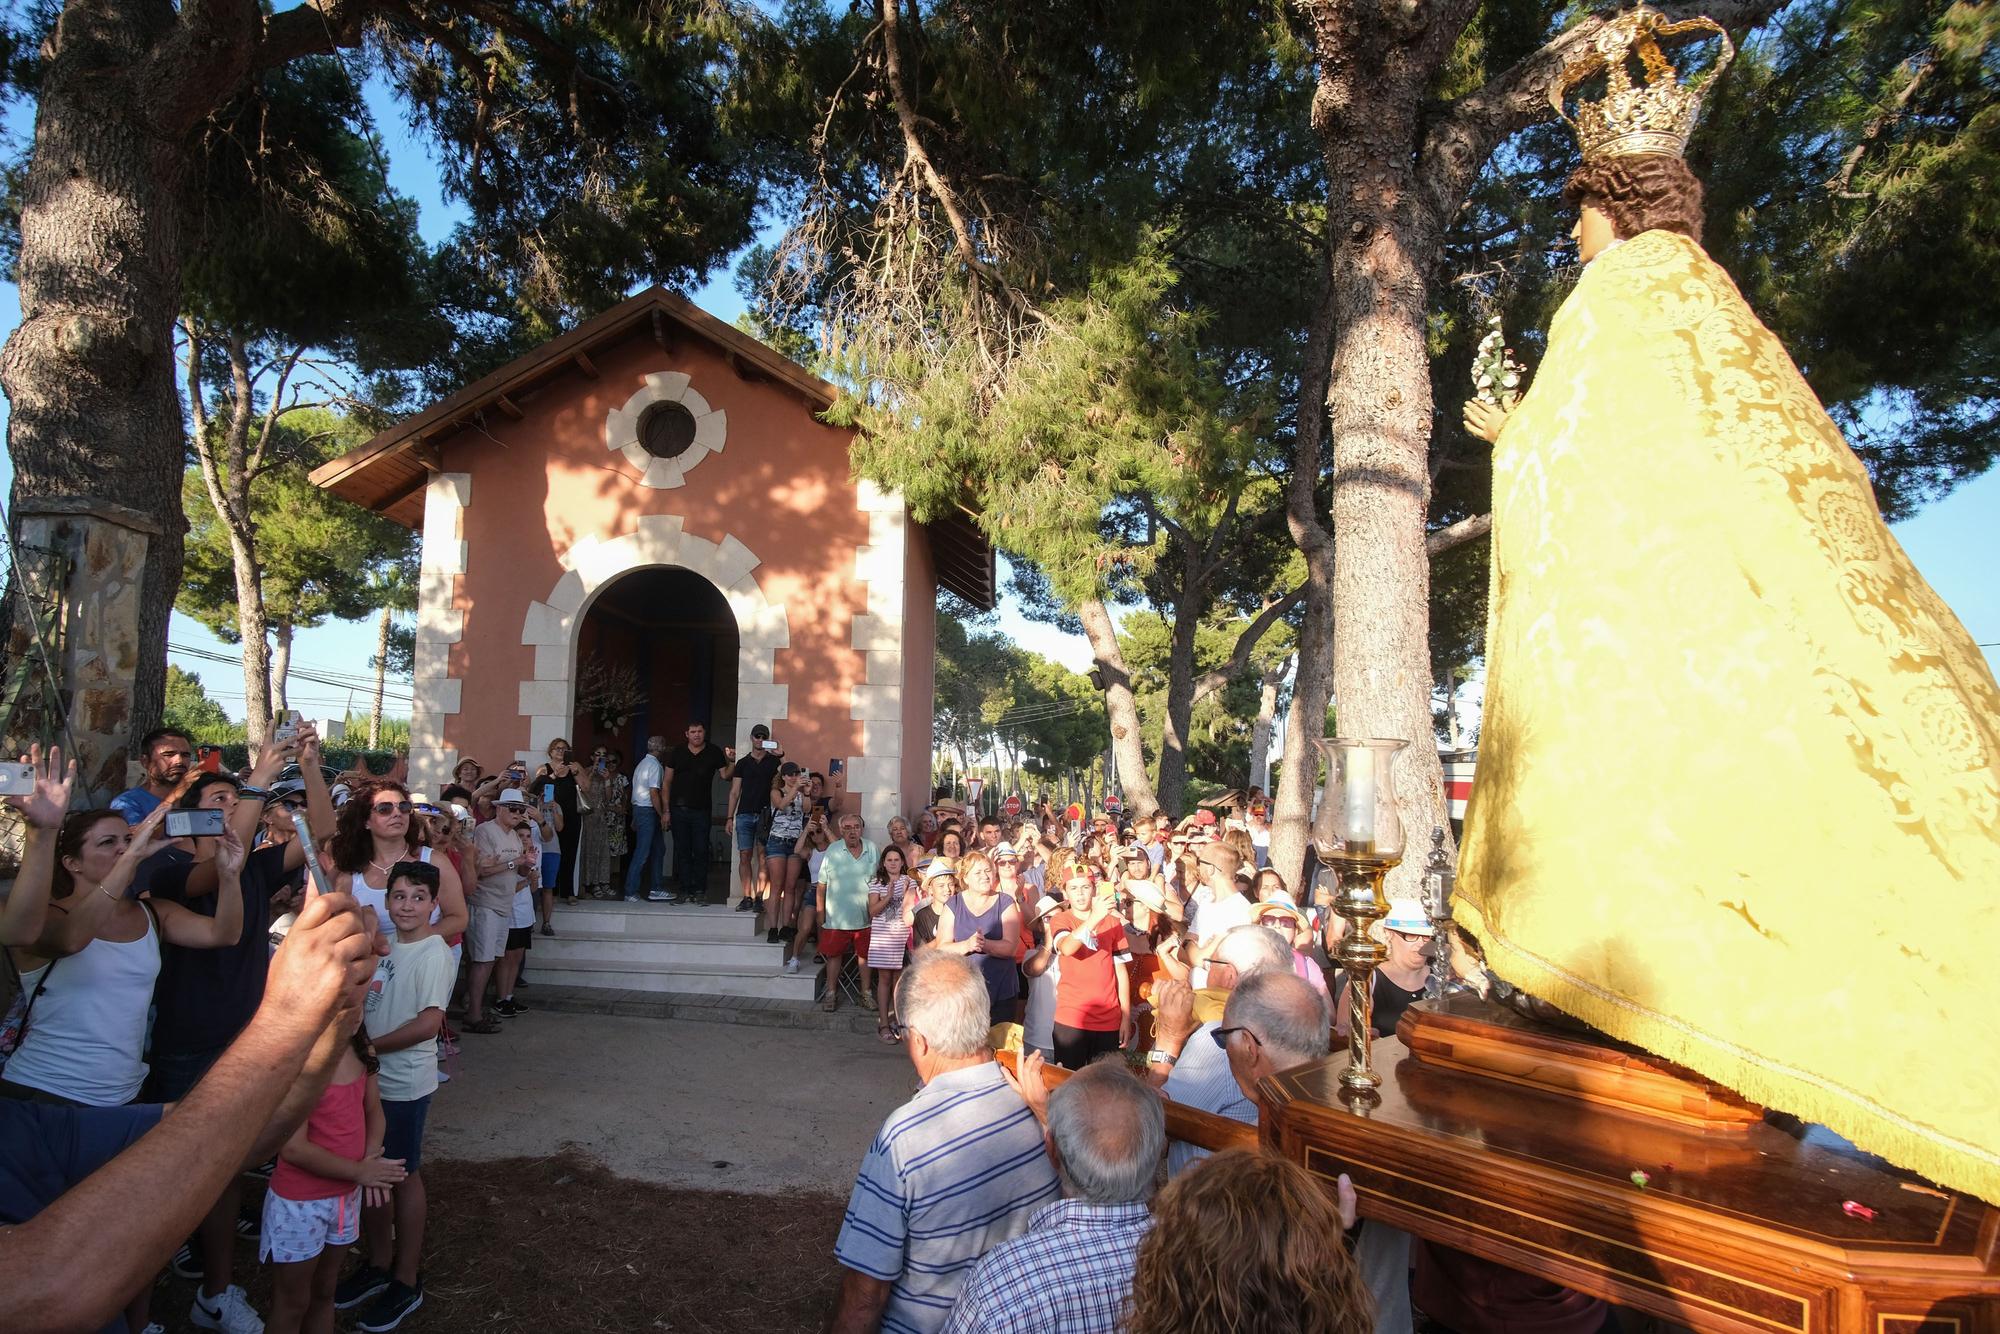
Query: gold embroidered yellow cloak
[[1738, 797]]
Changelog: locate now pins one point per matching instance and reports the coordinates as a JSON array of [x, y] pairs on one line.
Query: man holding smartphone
[[750, 786]]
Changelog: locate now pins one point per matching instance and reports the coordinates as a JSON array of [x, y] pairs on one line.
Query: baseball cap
[[285, 791], [511, 797], [1408, 917], [760, 733], [790, 769], [1135, 853], [1204, 817]]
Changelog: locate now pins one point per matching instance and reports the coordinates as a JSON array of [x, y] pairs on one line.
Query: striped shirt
[[1069, 1273], [1201, 1079], [954, 1172]]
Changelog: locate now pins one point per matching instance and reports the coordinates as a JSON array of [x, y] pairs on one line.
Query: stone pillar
[[97, 550]]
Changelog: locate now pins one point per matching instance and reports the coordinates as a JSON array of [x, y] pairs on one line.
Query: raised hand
[[229, 853], [324, 966], [1030, 1084], [1173, 1006], [45, 807]]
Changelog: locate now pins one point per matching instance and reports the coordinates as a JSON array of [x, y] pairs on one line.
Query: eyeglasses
[[391, 807], [1221, 1036]]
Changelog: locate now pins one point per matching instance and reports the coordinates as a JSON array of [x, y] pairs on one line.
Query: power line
[[388, 691]]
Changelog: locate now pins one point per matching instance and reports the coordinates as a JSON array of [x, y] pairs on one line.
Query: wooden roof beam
[[584, 364]]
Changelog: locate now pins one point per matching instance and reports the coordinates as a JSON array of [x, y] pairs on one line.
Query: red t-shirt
[[1087, 989]]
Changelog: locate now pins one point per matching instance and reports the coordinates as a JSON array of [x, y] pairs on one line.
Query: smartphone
[[286, 732], [834, 767], [548, 792], [17, 779], [206, 823], [770, 745]]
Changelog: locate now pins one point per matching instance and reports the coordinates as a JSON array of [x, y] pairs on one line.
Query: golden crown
[[1655, 116]]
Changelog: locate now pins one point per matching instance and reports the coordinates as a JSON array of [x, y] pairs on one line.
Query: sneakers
[[359, 1286], [791, 965], [186, 1264], [658, 896], [392, 1307], [771, 936], [746, 904], [230, 1312], [444, 1076], [510, 1008]]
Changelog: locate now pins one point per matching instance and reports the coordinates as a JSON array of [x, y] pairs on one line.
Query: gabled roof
[[388, 473]]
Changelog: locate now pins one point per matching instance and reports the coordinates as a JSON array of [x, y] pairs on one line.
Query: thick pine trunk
[[1120, 707], [94, 411], [1386, 241], [281, 665], [381, 678], [255, 633], [1172, 793]]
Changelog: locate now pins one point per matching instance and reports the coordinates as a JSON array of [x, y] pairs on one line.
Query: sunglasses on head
[[391, 807]]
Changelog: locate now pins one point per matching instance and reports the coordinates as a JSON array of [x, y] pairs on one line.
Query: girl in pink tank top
[[312, 1213]]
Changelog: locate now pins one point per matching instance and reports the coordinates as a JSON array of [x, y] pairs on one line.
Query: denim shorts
[[403, 1129], [779, 847], [746, 831]]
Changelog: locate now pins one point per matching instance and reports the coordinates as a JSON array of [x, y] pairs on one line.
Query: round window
[[666, 430]]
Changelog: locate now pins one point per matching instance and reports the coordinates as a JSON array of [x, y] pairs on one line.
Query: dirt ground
[[560, 1244], [597, 1173]]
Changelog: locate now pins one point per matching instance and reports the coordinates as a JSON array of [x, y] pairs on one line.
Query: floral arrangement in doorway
[[610, 691]]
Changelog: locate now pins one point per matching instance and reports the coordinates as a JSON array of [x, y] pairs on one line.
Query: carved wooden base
[[1479, 1037]]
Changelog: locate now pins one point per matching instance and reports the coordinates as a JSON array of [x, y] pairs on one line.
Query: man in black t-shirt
[[690, 782], [749, 802]]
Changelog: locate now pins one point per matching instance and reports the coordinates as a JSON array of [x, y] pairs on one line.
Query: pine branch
[[1239, 657], [1454, 535]]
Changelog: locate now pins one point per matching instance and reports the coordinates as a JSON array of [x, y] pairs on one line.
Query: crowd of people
[[1157, 960]]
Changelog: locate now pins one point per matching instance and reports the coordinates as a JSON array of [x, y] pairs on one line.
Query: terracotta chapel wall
[[548, 513]]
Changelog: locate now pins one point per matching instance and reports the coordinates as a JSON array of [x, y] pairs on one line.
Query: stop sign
[[1012, 805], [1113, 804]]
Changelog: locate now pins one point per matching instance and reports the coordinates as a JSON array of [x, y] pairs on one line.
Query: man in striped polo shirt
[[954, 1172]]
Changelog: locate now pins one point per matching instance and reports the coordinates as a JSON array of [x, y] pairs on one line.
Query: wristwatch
[[1157, 1057]]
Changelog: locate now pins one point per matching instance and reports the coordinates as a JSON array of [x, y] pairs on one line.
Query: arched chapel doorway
[[666, 634]]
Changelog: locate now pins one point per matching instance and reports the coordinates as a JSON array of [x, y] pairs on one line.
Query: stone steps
[[662, 948]]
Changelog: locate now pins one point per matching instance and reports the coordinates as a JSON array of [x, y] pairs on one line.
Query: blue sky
[[1955, 542]]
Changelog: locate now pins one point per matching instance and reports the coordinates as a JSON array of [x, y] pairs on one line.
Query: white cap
[[340, 794]]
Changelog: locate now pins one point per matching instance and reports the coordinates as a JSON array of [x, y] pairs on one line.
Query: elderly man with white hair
[[1198, 1073], [1276, 1020], [1071, 1271], [954, 1172]]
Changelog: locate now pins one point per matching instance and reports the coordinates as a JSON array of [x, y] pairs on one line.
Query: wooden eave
[[387, 474]]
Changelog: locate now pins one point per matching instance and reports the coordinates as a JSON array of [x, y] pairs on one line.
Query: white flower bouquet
[[1496, 376]]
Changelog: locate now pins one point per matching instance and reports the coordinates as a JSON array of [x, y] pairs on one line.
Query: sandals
[[548, 929], [884, 1032], [868, 1000], [486, 1025], [831, 1003]]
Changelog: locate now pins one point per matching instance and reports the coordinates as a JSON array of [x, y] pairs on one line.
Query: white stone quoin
[[440, 624], [875, 775]]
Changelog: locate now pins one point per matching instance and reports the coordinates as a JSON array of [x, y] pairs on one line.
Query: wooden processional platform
[[1519, 1146]]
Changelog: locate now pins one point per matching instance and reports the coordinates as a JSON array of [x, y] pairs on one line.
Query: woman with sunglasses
[[376, 829], [1399, 981]]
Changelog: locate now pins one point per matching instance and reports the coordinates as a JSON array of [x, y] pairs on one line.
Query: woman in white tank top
[[373, 831], [96, 951]]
